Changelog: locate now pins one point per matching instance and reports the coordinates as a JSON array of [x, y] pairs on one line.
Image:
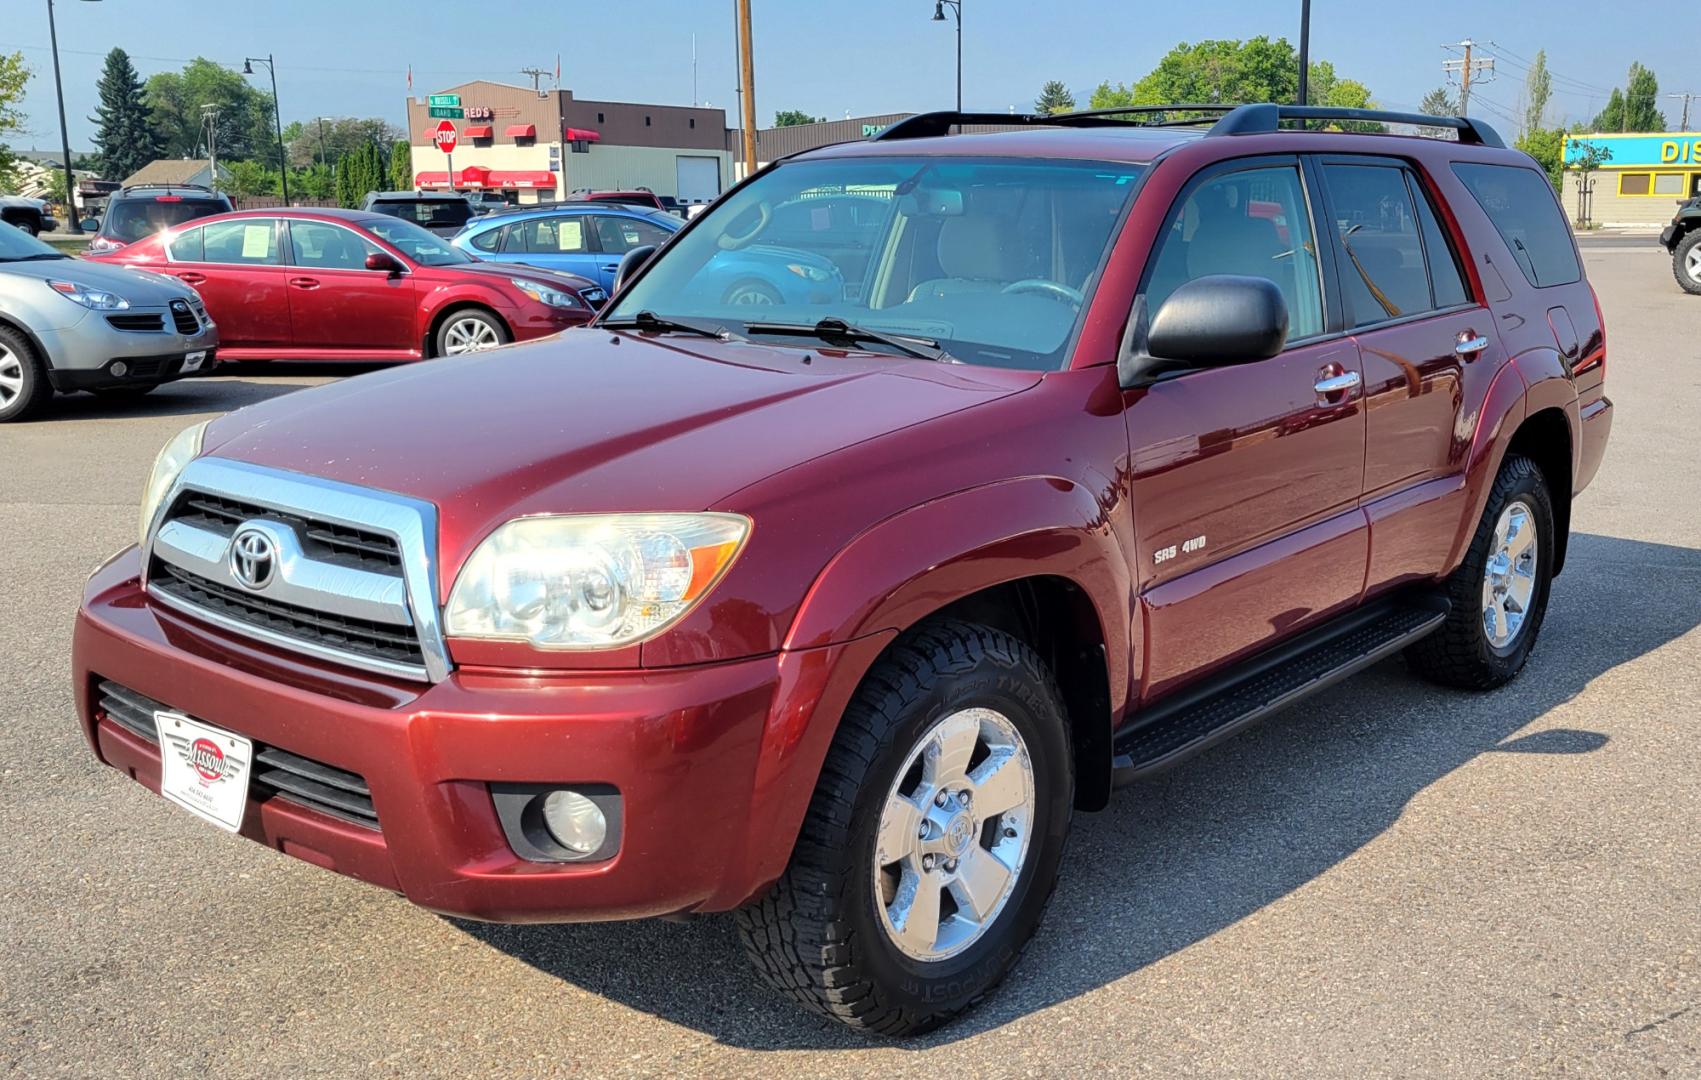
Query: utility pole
[[1304, 51], [536, 75], [1481, 67], [210, 117], [1683, 125], [747, 87]]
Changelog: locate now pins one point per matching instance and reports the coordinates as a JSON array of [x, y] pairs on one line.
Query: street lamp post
[[64, 135], [277, 115], [1304, 51], [956, 7]]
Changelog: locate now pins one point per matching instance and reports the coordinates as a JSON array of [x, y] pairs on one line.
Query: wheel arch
[[1545, 438], [41, 353], [451, 307]]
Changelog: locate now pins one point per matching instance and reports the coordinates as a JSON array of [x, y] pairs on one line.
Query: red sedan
[[349, 285]]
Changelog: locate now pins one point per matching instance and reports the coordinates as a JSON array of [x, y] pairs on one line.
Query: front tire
[[470, 330], [932, 844], [1499, 593], [1686, 262], [23, 378]]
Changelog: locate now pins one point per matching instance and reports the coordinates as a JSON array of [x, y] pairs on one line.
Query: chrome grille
[[278, 773], [347, 571]]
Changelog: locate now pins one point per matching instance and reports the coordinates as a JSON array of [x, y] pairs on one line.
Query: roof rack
[[1235, 120], [1256, 119], [158, 184], [930, 124]]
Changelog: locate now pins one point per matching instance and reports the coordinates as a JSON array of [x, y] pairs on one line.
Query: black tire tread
[[1452, 655], [796, 936], [1678, 253], [36, 387]]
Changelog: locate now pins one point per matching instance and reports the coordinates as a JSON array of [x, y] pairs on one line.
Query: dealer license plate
[[204, 769], [193, 361]]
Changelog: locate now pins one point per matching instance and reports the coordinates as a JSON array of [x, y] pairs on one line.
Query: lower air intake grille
[[278, 774]]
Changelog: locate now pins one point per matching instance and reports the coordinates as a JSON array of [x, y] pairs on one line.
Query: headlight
[[591, 581], [88, 296], [810, 273], [179, 452], [543, 294]]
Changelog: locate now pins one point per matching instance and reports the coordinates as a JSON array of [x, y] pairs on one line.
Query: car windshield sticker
[[256, 241]]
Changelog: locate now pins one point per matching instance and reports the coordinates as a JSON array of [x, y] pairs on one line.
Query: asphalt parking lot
[[1390, 880]]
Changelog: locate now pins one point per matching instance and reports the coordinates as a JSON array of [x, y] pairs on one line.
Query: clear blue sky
[[349, 57]]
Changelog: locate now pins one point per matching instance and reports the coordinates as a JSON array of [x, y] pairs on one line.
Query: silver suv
[[67, 324]]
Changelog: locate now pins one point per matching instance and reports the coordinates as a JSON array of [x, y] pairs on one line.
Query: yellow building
[[1640, 178]]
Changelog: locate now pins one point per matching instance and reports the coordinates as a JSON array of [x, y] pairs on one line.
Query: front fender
[[885, 581]]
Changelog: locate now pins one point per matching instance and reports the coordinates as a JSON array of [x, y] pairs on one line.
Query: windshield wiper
[[845, 335], [649, 322]]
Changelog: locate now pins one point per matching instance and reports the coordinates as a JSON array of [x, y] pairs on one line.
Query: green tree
[[332, 138], [1585, 157], [314, 182], [251, 178], [1636, 108], [1106, 96], [176, 99], [1054, 98], [359, 172], [1223, 72], [13, 75], [1538, 91], [125, 139], [1545, 145], [401, 166], [795, 117]]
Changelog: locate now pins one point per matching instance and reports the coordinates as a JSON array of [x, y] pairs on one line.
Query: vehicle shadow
[[1195, 850], [232, 388]]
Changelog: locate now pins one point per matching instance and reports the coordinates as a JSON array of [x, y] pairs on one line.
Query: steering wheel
[[1051, 290], [735, 241]]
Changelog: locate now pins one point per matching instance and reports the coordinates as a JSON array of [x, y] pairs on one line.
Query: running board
[[1174, 730]]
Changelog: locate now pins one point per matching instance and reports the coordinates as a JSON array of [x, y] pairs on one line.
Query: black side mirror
[[632, 262], [1212, 321], [384, 261]]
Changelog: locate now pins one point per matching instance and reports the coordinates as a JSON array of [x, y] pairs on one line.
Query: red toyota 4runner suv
[[1119, 436]]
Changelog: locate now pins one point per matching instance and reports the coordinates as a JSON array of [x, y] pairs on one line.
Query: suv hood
[[141, 288], [593, 420]]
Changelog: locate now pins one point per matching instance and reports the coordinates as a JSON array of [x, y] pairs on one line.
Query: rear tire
[[1493, 625], [23, 377], [1686, 262], [908, 898]]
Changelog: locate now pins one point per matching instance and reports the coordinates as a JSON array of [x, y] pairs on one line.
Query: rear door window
[[1382, 268], [1521, 204], [245, 241], [185, 247], [1445, 277], [618, 235]]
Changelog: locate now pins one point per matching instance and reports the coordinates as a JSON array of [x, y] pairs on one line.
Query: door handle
[[1470, 343], [191, 277], [1344, 383], [304, 282]]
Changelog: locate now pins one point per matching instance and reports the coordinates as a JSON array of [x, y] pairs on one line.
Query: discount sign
[[444, 137]]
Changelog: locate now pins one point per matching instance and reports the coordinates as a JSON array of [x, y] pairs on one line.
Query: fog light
[[575, 822], [120, 369]]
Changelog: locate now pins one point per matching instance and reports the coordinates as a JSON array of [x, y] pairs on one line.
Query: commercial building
[[778, 142], [541, 145], [1639, 178]]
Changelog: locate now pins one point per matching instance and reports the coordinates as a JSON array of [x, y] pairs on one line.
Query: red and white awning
[[478, 178]]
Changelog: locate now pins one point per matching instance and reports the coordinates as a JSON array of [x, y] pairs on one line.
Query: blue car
[[589, 239]]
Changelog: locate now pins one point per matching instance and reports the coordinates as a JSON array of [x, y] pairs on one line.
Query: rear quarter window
[[1521, 204]]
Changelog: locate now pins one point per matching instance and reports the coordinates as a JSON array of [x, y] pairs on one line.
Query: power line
[[1481, 68]]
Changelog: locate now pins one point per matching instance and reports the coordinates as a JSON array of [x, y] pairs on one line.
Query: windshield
[[425, 248], [447, 212], [16, 244], [991, 259], [135, 219]]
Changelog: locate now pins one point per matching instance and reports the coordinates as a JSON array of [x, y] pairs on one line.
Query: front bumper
[[687, 749], [83, 355]]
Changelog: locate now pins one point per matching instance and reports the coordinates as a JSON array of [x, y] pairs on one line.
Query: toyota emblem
[[253, 557]]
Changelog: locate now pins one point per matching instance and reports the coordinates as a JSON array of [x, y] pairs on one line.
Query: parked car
[[1682, 240], [28, 215], [590, 239], [487, 202], [326, 284], [442, 212], [142, 210], [834, 615], [68, 324], [647, 199]]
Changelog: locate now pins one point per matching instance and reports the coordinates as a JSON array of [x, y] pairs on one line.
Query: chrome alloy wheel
[[1509, 578], [1692, 264], [954, 834], [11, 376], [469, 335]]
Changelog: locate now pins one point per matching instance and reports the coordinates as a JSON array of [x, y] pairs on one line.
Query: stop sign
[[444, 137]]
